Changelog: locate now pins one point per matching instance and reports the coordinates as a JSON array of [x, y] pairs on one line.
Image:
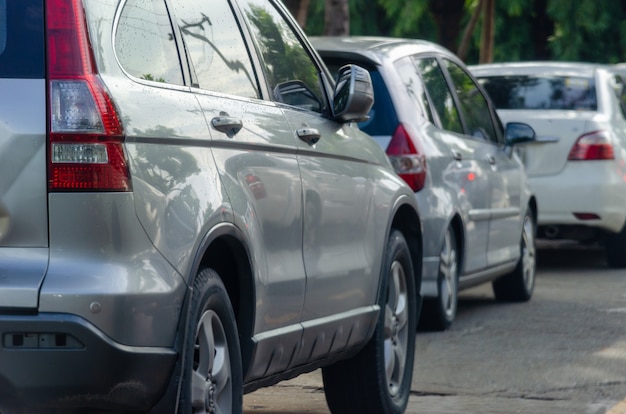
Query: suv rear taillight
[[408, 162], [592, 146], [85, 134]]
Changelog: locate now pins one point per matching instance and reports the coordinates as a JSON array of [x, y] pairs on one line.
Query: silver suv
[[188, 213]]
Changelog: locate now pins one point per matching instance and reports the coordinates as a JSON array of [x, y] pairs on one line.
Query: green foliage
[[585, 30]]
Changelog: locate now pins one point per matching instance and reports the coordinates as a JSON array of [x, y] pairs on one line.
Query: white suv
[[188, 213], [577, 164]]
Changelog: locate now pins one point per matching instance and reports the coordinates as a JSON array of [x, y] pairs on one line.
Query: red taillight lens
[[407, 161], [86, 137], [592, 146]]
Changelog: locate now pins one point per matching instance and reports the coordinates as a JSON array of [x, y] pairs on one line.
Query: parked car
[[444, 138], [188, 212], [577, 165]]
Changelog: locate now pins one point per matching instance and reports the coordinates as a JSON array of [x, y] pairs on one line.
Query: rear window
[[530, 92], [21, 39]]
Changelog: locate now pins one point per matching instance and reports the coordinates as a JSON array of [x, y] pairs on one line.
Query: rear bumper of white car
[[586, 193]]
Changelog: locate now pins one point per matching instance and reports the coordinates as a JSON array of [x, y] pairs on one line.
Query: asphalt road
[[562, 352]]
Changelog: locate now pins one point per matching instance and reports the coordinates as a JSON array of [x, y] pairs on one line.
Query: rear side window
[[144, 42], [440, 94], [216, 47], [22, 53], [542, 92], [473, 104]]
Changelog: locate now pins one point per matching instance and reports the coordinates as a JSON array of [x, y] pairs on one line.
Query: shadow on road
[[568, 255]]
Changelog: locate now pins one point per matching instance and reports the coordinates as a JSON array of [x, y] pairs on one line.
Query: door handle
[[229, 125], [309, 135], [457, 155], [491, 159]]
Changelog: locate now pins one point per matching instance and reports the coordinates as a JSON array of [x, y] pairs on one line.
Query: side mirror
[[518, 133], [354, 94]]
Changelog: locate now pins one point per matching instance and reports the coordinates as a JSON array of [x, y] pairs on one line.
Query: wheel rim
[[528, 254], [448, 269], [211, 381], [396, 328]]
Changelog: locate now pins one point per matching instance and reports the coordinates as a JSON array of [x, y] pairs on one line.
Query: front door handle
[[229, 125], [309, 135]]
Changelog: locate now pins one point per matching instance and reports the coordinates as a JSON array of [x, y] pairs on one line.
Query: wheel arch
[[224, 250], [532, 204], [407, 221], [459, 231]]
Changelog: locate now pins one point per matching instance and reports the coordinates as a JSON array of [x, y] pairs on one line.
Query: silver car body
[[476, 186], [89, 277]]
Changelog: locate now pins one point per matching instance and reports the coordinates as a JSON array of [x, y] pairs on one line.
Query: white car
[[577, 164]]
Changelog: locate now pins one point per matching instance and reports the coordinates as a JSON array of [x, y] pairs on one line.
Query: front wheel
[[518, 285], [378, 379], [211, 372]]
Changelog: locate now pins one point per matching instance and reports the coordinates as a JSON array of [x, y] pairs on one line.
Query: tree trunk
[[543, 27], [469, 29], [448, 15], [336, 18], [488, 33], [299, 10]]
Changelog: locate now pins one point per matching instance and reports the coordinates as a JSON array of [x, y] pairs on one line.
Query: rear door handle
[[309, 135], [229, 125]]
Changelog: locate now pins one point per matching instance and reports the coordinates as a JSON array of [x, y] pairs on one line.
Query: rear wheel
[[378, 379], [438, 313], [212, 373], [615, 248], [518, 285]]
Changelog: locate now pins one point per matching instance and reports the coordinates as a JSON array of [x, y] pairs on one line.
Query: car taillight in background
[[592, 146], [408, 162], [86, 137]]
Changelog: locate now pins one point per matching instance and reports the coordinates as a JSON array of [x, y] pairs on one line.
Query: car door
[[254, 150], [504, 169], [469, 173], [339, 248]]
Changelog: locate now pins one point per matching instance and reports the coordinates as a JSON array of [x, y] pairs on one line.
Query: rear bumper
[[593, 187], [61, 361]]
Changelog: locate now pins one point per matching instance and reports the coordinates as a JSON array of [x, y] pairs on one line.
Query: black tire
[[615, 249], [212, 378], [378, 379], [439, 313], [518, 285]]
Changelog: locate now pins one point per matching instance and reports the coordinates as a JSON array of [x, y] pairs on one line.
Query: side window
[[473, 104], [216, 47], [413, 86], [144, 42], [440, 94], [292, 75]]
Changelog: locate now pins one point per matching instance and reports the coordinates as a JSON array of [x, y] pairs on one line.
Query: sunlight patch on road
[[616, 350], [620, 408]]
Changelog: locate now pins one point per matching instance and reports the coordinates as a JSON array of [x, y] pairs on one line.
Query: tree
[[299, 9], [448, 15], [336, 18]]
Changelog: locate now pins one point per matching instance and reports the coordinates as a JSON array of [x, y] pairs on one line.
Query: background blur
[[482, 31]]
